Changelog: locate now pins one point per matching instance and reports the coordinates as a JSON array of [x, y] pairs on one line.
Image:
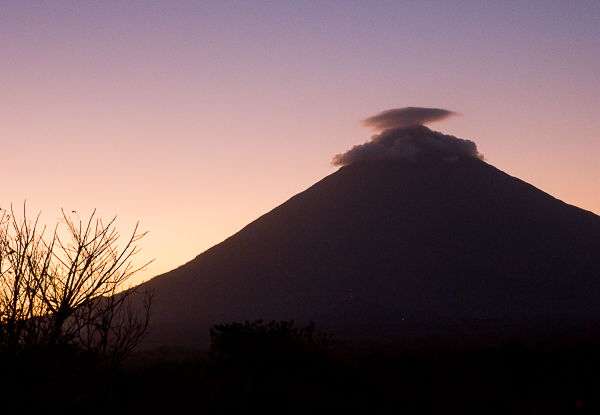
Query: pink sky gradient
[[195, 118]]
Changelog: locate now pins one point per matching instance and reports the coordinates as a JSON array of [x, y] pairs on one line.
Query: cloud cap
[[407, 117], [404, 137]]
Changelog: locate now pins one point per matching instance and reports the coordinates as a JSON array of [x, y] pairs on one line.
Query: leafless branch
[[69, 289]]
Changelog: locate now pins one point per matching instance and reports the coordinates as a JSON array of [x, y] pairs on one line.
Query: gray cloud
[[406, 117], [408, 144]]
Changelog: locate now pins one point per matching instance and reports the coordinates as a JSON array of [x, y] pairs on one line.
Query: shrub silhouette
[[273, 351]]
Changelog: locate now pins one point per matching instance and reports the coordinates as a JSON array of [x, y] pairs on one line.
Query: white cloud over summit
[[404, 138]]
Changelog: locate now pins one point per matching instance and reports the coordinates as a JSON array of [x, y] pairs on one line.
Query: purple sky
[[197, 117]]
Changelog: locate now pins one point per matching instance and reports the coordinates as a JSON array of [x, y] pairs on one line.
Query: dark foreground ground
[[511, 378], [548, 377]]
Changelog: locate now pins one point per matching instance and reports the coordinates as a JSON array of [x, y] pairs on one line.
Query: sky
[[194, 118]]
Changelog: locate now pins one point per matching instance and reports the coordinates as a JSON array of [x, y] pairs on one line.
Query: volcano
[[382, 243]]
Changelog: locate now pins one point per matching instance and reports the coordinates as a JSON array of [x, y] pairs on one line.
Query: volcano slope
[[387, 248]]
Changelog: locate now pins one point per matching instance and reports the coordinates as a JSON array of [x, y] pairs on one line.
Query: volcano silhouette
[[381, 242]]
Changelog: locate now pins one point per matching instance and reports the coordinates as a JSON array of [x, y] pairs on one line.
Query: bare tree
[[69, 289]]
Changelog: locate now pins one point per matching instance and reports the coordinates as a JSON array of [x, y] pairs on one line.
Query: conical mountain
[[424, 239]]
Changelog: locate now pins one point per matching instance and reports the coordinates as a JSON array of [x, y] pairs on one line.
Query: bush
[[277, 350]]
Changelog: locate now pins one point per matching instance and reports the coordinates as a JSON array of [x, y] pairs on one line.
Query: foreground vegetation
[[67, 318], [278, 368], [358, 378]]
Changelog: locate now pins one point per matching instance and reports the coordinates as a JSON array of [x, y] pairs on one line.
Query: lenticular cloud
[[405, 138], [406, 117]]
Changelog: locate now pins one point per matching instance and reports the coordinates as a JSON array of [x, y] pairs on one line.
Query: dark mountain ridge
[[429, 240]]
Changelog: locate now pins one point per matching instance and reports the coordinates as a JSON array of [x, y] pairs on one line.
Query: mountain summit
[[429, 237]]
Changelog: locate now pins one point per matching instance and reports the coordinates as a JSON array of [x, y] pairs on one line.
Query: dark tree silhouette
[[68, 290]]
